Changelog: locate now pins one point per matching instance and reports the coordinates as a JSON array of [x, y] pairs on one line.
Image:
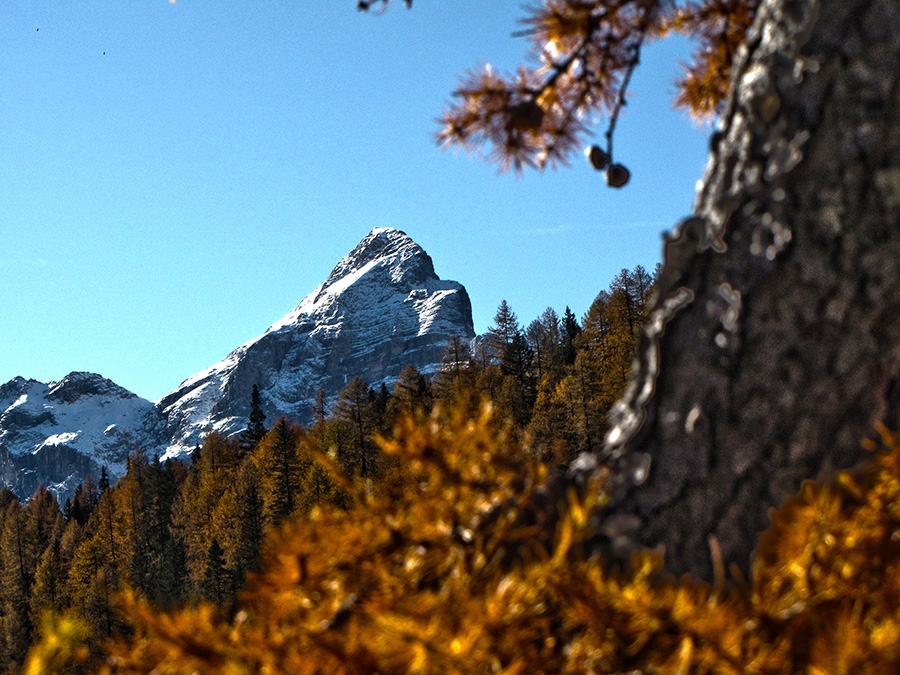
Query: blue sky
[[176, 177]]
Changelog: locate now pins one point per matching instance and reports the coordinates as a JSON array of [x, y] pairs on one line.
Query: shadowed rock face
[[381, 308]]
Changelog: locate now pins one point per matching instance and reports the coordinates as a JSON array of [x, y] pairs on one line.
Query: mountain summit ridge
[[381, 308]]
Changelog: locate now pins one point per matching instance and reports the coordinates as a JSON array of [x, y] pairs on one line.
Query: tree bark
[[774, 341]]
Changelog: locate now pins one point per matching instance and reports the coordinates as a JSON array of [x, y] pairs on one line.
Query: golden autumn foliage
[[584, 52], [474, 561]]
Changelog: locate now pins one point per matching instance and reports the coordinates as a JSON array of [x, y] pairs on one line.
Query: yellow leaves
[[720, 27], [885, 634], [476, 565], [62, 645], [584, 49]]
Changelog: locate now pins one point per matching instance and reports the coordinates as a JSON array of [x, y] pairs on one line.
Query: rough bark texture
[[775, 343]]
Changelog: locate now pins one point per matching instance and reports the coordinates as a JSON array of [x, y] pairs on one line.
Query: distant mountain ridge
[[381, 308], [55, 434]]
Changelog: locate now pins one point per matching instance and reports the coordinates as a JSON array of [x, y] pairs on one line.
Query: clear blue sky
[[176, 177]]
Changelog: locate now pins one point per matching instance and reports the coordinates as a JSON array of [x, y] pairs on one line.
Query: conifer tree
[[320, 485], [412, 392], [354, 407], [319, 408], [193, 509], [585, 54], [544, 339], [279, 465], [48, 592], [92, 584], [256, 428], [103, 484], [244, 554], [380, 408], [84, 500], [7, 497], [501, 333], [521, 387], [28, 531], [569, 334], [238, 527], [217, 582], [159, 565], [72, 536], [45, 520], [16, 577], [456, 375]]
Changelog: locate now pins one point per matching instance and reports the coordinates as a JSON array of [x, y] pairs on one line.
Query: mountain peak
[[77, 384], [58, 432], [381, 308], [391, 248]]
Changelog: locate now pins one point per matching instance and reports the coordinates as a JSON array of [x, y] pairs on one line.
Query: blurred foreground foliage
[[470, 558]]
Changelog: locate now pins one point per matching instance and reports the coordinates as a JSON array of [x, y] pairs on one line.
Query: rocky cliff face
[[55, 434], [381, 308]]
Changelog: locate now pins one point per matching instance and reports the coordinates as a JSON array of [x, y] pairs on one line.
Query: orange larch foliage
[[584, 52], [475, 563]]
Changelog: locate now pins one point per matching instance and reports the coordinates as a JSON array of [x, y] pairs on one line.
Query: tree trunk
[[774, 342]]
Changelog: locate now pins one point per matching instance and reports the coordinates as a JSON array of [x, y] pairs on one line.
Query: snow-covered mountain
[[381, 308], [55, 434]]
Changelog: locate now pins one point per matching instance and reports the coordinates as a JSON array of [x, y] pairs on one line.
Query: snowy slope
[[381, 308], [55, 433]]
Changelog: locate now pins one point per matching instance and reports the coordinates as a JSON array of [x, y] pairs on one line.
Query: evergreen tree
[[244, 554], [84, 500], [570, 332], [7, 497], [380, 409], [517, 365], [103, 485], [217, 582], [158, 568], [256, 428], [277, 461], [318, 414]]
